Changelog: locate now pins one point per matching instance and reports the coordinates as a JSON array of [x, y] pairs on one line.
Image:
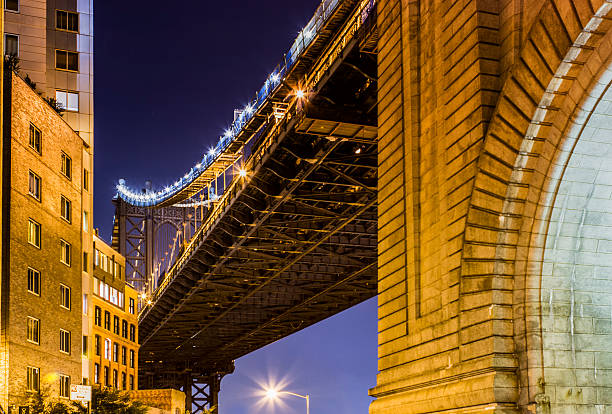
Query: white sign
[[80, 392]]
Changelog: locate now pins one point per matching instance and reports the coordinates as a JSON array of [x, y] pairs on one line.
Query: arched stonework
[[476, 99], [558, 343]]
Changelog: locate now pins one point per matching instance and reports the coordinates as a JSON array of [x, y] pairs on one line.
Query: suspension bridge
[[275, 228]]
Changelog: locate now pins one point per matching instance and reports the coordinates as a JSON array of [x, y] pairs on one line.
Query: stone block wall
[[475, 103]]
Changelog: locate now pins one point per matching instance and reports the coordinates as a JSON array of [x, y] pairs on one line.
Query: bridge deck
[[292, 243]]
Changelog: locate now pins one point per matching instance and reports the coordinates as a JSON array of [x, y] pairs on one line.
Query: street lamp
[[274, 394]]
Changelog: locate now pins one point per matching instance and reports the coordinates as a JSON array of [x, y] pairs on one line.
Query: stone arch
[[524, 157]]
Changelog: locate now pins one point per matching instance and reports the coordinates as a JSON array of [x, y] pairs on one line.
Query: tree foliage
[[104, 401], [111, 401]]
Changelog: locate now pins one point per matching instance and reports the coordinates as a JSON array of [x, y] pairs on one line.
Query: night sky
[[167, 79]]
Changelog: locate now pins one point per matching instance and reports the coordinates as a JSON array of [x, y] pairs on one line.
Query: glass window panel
[[12, 5], [73, 61], [72, 101], [11, 44], [61, 59]]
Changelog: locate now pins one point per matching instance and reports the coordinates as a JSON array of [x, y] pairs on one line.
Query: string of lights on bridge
[[274, 80]]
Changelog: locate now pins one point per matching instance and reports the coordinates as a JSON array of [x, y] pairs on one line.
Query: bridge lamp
[[273, 394], [300, 94], [242, 173]]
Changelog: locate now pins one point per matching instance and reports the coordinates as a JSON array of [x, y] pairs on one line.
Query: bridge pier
[[491, 140], [202, 393]]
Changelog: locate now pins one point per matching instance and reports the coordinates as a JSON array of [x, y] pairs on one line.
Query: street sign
[[80, 392]]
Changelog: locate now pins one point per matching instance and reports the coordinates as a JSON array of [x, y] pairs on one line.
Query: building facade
[[53, 40], [111, 338], [42, 205]]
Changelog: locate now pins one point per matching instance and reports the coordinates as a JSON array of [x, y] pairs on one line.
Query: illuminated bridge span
[[276, 227]]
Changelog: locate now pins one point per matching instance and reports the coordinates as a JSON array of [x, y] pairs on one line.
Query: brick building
[[112, 333], [53, 40], [42, 215]]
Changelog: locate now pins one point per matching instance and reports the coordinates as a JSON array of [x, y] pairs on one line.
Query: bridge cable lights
[[304, 38], [273, 394]]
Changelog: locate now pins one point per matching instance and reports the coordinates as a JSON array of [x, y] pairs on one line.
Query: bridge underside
[[296, 242]]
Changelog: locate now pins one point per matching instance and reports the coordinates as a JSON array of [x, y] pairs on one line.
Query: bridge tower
[[151, 238], [494, 265]]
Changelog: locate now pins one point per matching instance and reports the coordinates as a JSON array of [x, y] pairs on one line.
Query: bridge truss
[[292, 237]]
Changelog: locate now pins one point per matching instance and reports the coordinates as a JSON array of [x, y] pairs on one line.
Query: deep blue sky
[[167, 79]]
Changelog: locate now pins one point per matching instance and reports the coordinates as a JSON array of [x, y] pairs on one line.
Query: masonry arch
[[551, 244]]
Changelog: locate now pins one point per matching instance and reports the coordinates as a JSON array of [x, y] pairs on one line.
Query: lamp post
[[273, 394]]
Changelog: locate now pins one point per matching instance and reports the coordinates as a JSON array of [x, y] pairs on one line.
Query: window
[[96, 373], [33, 326], [85, 180], [85, 345], [85, 262], [132, 359], [123, 381], [98, 316], [66, 209], [66, 60], [34, 185], [64, 296], [115, 378], [64, 341], [124, 355], [66, 165], [85, 302], [107, 319], [65, 252], [12, 5], [107, 349], [124, 329], [132, 333], [97, 345], [106, 379], [66, 20], [132, 307], [11, 44], [85, 221], [35, 139], [34, 233], [69, 101], [33, 380], [116, 325], [33, 281], [132, 382], [64, 386], [115, 352]]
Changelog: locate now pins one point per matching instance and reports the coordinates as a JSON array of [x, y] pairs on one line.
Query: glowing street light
[[274, 394], [299, 94], [242, 173]]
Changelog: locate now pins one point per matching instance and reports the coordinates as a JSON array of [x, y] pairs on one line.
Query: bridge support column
[[202, 391]]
